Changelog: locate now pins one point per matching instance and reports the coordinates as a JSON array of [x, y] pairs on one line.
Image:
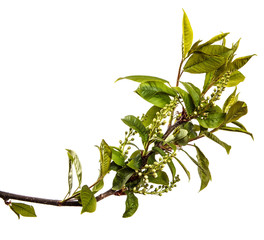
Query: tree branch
[[71, 203]]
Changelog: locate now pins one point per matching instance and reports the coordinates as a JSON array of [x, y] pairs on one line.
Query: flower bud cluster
[[220, 87], [209, 101], [156, 126], [151, 171], [128, 139]]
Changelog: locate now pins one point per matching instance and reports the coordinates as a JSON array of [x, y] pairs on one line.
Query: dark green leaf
[[187, 99], [87, 199], [131, 204], [232, 99], [234, 129], [204, 173], [136, 162], [143, 78], [187, 35], [137, 125], [162, 178], [118, 157], [193, 91], [23, 209], [191, 130], [236, 111], [240, 62], [159, 151], [203, 63], [150, 115], [114, 167], [181, 137], [235, 78], [214, 119], [217, 140], [121, 177], [184, 168], [77, 164]]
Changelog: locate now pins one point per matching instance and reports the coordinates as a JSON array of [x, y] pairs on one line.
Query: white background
[[58, 64]]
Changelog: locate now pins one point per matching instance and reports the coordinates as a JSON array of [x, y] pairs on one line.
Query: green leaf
[[156, 93], [150, 88], [184, 168], [191, 130], [77, 164], [150, 115], [239, 130], [239, 124], [208, 80], [172, 169], [114, 167], [236, 77], [121, 177], [204, 173], [143, 78], [193, 91], [23, 210], [131, 204], [88, 200], [216, 50], [162, 178], [187, 35], [118, 157], [236, 111], [187, 99], [193, 160], [232, 99], [137, 125], [214, 119], [181, 137], [240, 62], [215, 39], [98, 186], [217, 140], [203, 63], [136, 162], [194, 47], [105, 159], [70, 177]]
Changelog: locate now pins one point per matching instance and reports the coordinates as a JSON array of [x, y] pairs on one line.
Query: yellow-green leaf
[[187, 35], [235, 78], [143, 78], [88, 200], [77, 164], [106, 156]]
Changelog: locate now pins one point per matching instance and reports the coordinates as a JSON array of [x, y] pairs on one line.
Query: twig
[[72, 203]]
